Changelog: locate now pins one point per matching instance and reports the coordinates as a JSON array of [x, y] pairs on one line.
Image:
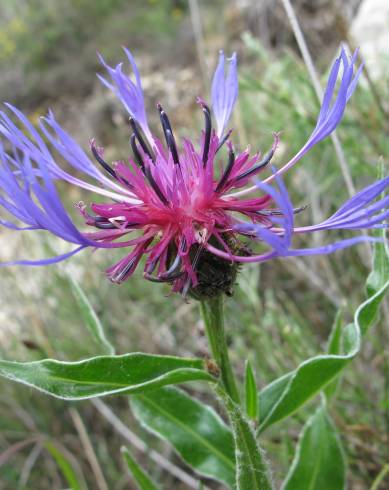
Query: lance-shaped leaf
[[380, 271], [335, 347], [104, 375], [251, 469], [143, 481], [250, 391], [90, 317], [195, 431], [73, 475], [287, 394], [319, 462]]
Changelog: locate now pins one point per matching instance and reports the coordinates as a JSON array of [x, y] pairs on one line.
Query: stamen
[[171, 143], [147, 274], [104, 225], [170, 275], [227, 171], [265, 161], [197, 256], [155, 186], [121, 276], [207, 132], [173, 269], [151, 278], [102, 162], [168, 132], [138, 134], [136, 153], [109, 223], [164, 119], [224, 139], [278, 212]]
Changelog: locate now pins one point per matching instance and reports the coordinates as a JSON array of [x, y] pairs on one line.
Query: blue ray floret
[[224, 91], [358, 213], [130, 94], [29, 195]]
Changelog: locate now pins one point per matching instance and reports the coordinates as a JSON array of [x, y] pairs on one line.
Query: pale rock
[[370, 31]]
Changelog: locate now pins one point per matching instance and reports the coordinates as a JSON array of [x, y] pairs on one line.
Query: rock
[[370, 31]]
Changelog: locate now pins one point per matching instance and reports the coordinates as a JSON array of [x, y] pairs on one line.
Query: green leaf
[[195, 431], [380, 272], [319, 463], [90, 317], [143, 480], [104, 375], [287, 394], [335, 347], [251, 469], [335, 340], [75, 483], [251, 395]]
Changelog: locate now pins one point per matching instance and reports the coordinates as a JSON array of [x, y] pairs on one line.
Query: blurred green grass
[[281, 312]]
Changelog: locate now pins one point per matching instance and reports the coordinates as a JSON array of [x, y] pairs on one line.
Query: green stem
[[212, 313]]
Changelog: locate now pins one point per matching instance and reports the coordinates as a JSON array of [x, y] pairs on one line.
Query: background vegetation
[[281, 312]]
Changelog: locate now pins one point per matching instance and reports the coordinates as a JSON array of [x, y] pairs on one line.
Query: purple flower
[[172, 204]]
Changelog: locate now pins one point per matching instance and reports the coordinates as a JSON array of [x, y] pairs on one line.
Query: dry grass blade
[[318, 89], [136, 442], [29, 464], [88, 448]]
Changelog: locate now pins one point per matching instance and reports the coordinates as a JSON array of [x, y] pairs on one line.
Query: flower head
[[184, 207]]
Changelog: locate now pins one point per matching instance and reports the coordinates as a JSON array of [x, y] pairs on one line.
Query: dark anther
[[265, 161], [170, 275], [164, 119], [207, 133], [171, 143], [151, 278], [227, 171], [104, 225], [102, 162], [223, 140], [123, 273], [183, 245], [140, 138], [135, 151], [174, 269], [147, 274], [154, 185], [278, 212], [168, 132]]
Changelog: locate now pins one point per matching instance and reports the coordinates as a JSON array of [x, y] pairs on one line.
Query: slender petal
[[129, 93], [35, 202], [224, 91], [331, 111], [27, 140], [333, 106], [358, 213]]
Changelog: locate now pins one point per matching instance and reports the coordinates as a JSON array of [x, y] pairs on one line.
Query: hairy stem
[[212, 313]]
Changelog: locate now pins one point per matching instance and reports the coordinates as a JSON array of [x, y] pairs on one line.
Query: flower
[[175, 205]]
